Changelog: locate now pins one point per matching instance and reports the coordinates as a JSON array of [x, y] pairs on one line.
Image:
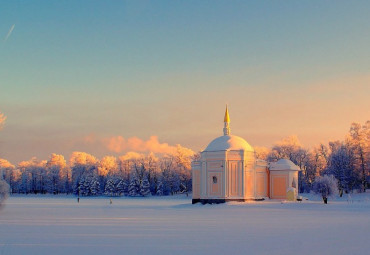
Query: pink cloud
[[116, 143], [132, 146], [119, 144], [90, 139]]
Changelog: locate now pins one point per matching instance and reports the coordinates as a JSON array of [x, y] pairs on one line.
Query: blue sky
[[167, 68]]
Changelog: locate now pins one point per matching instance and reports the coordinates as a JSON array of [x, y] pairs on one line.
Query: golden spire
[[226, 122], [227, 118]]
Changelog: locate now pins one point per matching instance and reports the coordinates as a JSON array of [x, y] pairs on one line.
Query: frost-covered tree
[[133, 187], [313, 165], [115, 186], [367, 153], [4, 191], [33, 176], [341, 166], [145, 187], [183, 157], [53, 179], [138, 175], [321, 157], [182, 173], [107, 166], [359, 141], [326, 186], [83, 186], [4, 186], [121, 187], [5, 166], [89, 185], [151, 165], [153, 178], [110, 189], [25, 182], [56, 169], [10, 174], [168, 184], [159, 189], [261, 152], [94, 186], [164, 187], [286, 148], [81, 164], [125, 165]]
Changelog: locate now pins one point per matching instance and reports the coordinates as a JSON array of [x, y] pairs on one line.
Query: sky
[[108, 77]]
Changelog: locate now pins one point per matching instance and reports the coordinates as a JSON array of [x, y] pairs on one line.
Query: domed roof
[[284, 164], [229, 142]]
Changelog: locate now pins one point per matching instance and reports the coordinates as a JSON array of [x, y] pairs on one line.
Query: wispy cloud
[[9, 33], [2, 120]]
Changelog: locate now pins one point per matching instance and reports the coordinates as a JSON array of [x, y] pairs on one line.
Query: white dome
[[229, 142], [284, 164]]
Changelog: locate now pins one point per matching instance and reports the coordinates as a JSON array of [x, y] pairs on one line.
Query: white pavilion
[[228, 171]]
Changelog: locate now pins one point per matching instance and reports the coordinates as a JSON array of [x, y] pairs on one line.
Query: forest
[[142, 175], [85, 175], [348, 160]]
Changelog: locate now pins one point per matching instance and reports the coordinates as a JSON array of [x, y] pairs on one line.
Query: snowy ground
[[171, 225]]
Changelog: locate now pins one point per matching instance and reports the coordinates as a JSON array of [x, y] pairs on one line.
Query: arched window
[[214, 179]]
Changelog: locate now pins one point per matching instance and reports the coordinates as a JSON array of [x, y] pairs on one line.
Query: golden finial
[[227, 118]]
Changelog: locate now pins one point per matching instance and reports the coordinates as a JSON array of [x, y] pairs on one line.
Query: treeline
[[348, 161], [138, 175], [85, 175]]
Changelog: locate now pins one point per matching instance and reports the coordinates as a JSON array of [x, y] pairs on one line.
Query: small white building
[[228, 171]]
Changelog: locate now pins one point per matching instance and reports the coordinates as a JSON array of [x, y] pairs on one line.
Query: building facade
[[228, 171]]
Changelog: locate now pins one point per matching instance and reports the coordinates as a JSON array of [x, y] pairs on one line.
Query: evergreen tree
[[121, 187], [94, 185], [81, 188], [145, 187], [133, 188], [160, 189], [110, 189]]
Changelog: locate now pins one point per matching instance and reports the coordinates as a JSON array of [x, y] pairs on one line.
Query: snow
[[283, 164], [172, 225], [229, 142]]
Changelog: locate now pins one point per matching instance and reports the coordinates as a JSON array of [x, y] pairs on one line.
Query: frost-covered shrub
[[4, 191], [326, 186]]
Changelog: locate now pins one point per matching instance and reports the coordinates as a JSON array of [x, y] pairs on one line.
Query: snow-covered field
[[171, 225]]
